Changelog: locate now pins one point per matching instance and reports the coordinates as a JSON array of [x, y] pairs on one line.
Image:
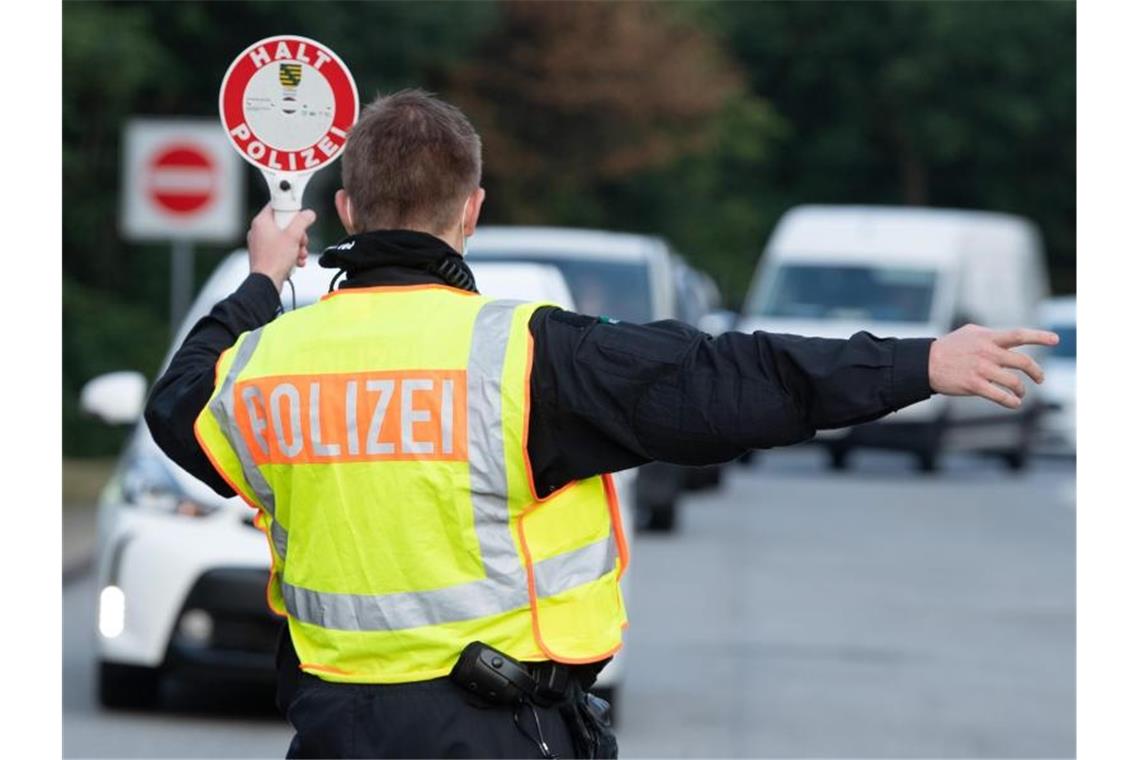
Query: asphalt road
[[798, 613]]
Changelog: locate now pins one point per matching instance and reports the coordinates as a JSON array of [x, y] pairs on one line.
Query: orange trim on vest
[[533, 595], [221, 470], [307, 666], [607, 478], [398, 288], [259, 523], [281, 613], [526, 427], [233, 485], [257, 520], [615, 524]]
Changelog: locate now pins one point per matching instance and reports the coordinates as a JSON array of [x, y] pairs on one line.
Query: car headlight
[[148, 484]]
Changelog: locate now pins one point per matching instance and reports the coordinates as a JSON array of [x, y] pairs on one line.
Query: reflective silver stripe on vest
[[222, 407], [562, 572], [486, 447], [280, 538], [406, 609], [466, 601]]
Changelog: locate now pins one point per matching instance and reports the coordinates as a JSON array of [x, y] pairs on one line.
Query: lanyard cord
[[540, 742], [293, 292], [281, 302]]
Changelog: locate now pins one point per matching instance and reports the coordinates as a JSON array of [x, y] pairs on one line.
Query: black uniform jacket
[[605, 396]]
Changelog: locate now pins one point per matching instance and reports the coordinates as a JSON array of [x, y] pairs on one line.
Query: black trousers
[[423, 719]]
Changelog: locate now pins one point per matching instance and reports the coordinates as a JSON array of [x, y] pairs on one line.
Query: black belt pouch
[[589, 720]]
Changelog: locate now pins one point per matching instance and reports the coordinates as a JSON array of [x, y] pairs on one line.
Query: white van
[[831, 271]]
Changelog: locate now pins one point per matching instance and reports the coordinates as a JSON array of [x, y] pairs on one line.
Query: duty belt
[[551, 681], [501, 679]]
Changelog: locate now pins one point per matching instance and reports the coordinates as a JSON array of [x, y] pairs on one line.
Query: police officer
[[429, 465]]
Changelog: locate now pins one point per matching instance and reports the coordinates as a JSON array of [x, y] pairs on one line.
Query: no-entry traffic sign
[[181, 180], [286, 104]]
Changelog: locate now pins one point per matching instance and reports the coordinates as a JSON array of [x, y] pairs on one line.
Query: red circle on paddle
[[181, 179], [287, 103]]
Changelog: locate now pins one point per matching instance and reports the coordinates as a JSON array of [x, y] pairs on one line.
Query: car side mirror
[[116, 398], [716, 322]]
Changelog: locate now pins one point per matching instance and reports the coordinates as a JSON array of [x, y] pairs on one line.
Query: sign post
[[286, 104], [182, 183], [181, 280]]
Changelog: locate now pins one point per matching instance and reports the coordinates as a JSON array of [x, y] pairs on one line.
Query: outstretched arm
[[611, 396]]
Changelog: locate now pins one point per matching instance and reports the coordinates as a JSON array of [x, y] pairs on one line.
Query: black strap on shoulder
[[454, 273]]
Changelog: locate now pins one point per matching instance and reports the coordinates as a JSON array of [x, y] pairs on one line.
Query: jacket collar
[[397, 257]]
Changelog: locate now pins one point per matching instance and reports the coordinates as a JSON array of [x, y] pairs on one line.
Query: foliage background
[[700, 121]]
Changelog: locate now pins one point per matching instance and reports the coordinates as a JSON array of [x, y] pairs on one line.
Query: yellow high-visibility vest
[[381, 433]]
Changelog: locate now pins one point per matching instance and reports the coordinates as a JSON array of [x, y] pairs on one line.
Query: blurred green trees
[[701, 121], [968, 105]]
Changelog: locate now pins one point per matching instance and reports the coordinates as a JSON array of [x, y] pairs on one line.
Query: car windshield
[[618, 289], [1067, 348], [833, 291]]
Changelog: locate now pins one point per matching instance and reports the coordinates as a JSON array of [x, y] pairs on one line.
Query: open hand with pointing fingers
[[977, 361]]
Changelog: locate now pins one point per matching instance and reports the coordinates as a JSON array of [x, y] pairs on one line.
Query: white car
[[610, 274], [181, 571], [1058, 430], [519, 281]]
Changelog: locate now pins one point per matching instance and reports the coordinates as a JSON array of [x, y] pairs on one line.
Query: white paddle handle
[[285, 193], [283, 217]]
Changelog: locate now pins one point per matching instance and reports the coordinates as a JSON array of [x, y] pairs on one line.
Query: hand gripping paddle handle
[[283, 217], [286, 190]]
